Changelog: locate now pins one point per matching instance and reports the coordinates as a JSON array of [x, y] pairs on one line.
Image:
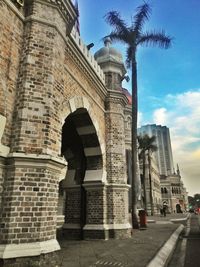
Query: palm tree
[[147, 147], [142, 157], [133, 37]]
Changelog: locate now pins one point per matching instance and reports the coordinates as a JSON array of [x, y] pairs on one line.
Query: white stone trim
[[95, 175], [14, 9], [69, 179], [60, 221], [71, 226], [86, 103], [87, 54], [107, 226], [119, 186], [37, 156], [86, 130], [92, 151], [96, 125], [72, 104], [28, 249], [2, 123], [63, 173], [4, 150]]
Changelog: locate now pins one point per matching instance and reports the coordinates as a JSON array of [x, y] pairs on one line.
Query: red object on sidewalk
[[143, 219]]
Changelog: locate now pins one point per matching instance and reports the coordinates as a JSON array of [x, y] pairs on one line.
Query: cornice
[[34, 160], [14, 9], [109, 65], [118, 95], [65, 7]]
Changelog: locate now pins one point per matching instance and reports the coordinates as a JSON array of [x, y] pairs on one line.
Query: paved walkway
[[137, 251]]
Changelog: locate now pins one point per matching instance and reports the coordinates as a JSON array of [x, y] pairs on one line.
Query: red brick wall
[[11, 34]]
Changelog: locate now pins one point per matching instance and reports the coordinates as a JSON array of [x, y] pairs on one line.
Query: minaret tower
[[111, 62]]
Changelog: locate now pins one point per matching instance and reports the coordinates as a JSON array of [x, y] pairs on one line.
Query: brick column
[[117, 188], [32, 169], [29, 205]]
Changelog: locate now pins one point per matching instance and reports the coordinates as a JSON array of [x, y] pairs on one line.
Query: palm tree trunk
[[134, 216], [150, 182], [144, 179]]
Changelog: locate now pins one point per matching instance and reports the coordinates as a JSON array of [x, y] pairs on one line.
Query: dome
[[128, 95], [108, 53]]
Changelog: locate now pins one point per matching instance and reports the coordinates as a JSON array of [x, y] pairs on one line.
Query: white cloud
[[140, 118], [160, 116], [181, 113]]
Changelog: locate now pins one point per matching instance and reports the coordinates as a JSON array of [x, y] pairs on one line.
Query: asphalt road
[[187, 253]]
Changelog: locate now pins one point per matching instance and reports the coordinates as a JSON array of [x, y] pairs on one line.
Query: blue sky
[[168, 80]]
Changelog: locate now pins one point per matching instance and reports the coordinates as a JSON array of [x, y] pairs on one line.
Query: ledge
[[28, 249], [107, 226], [28, 156]]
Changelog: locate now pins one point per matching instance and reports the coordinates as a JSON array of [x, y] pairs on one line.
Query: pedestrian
[[161, 211], [164, 209]]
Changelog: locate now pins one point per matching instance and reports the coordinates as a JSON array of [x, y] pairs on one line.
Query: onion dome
[[108, 53], [128, 95]]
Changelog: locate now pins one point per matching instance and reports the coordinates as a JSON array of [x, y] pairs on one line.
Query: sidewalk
[[137, 251], [170, 218]]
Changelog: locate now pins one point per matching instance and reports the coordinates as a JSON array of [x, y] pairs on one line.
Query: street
[[187, 251]]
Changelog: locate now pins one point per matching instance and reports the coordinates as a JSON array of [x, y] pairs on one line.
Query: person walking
[[164, 209]]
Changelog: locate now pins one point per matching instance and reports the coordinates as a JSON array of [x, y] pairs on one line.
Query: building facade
[[62, 134], [154, 188], [163, 155], [174, 193], [172, 189]]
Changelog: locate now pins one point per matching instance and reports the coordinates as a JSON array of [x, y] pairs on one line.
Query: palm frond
[[114, 19], [116, 36], [142, 15], [147, 143], [155, 39]]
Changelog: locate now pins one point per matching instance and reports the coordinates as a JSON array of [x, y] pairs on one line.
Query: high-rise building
[[163, 155]]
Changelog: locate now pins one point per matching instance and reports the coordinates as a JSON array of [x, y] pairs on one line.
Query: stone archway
[[81, 149]]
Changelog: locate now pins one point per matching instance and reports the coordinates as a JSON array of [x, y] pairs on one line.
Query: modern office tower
[[164, 153]]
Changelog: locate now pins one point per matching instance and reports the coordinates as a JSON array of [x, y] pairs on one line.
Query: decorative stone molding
[[14, 9], [107, 226], [95, 176], [28, 249], [119, 186], [82, 102], [4, 150], [88, 56], [71, 226], [67, 9], [25, 159]]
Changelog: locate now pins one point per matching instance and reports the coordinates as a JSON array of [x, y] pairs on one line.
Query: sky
[[168, 80]]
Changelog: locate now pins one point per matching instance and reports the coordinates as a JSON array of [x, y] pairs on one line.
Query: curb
[[163, 255], [181, 220]]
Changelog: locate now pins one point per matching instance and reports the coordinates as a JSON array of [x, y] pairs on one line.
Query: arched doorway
[[81, 149]]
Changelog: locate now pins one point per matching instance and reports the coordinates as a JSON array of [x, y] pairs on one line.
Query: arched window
[[128, 123]]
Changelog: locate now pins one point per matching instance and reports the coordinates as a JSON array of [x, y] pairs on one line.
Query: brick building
[[62, 134]]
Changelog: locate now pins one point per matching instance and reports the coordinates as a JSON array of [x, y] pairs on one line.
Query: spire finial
[[107, 42], [178, 171]]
